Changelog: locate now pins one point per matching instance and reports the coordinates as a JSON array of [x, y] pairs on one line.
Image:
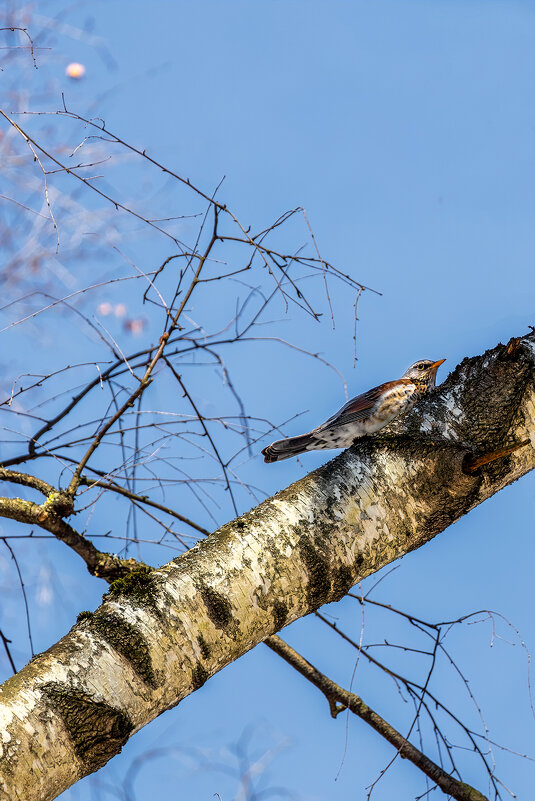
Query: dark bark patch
[[319, 574], [205, 648], [199, 676], [491, 412], [97, 731], [509, 350], [342, 580], [217, 606], [128, 641], [280, 614]]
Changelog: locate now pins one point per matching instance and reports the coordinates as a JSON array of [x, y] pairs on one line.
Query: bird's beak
[[436, 365]]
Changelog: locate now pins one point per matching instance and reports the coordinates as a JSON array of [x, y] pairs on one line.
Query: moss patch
[[97, 731], [137, 586]]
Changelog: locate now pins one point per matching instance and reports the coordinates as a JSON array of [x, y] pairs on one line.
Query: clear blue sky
[[407, 131]]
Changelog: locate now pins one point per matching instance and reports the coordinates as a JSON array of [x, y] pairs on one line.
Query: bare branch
[[6, 643], [26, 480], [348, 700], [111, 485], [46, 515]]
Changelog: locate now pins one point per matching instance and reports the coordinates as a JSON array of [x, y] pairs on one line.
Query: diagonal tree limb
[[336, 695], [160, 634]]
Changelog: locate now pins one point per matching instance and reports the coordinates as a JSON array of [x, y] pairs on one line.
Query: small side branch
[[103, 565], [472, 464], [340, 699], [6, 643]]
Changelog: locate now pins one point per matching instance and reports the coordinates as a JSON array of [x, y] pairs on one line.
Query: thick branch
[[335, 694], [26, 480], [159, 635]]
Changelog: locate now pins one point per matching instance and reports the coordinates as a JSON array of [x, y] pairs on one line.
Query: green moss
[[59, 503], [137, 586], [97, 731], [128, 641]]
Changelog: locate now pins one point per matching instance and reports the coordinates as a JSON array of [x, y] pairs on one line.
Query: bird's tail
[[284, 448]]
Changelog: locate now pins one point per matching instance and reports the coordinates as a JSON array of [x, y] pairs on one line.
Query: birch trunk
[[159, 635]]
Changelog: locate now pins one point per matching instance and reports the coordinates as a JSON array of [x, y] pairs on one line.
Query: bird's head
[[424, 371]]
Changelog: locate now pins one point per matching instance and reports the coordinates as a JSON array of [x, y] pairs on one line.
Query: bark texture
[[160, 634]]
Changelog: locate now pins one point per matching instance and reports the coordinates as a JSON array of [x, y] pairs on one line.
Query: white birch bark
[[159, 635]]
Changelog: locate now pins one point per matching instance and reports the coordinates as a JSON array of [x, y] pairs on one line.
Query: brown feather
[[358, 407]]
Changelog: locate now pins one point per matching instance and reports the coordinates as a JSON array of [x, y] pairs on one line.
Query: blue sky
[[407, 131]]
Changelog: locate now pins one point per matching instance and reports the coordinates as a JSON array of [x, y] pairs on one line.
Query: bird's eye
[[421, 366]]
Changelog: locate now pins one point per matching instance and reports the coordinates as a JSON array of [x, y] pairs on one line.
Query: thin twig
[[8, 652]]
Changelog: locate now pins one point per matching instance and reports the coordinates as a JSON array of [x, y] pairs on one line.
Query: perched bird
[[362, 415]]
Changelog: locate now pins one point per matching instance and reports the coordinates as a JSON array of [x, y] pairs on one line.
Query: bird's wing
[[359, 407]]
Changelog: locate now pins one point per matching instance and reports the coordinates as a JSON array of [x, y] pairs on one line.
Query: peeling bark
[[160, 634]]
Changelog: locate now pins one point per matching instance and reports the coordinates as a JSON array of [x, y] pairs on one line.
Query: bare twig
[[23, 590], [111, 485], [6, 643]]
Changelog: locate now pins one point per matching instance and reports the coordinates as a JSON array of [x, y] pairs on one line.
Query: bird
[[365, 414]]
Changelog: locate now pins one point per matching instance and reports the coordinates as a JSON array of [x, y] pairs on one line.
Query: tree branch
[[142, 499], [348, 700], [100, 564], [6, 642], [26, 480]]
